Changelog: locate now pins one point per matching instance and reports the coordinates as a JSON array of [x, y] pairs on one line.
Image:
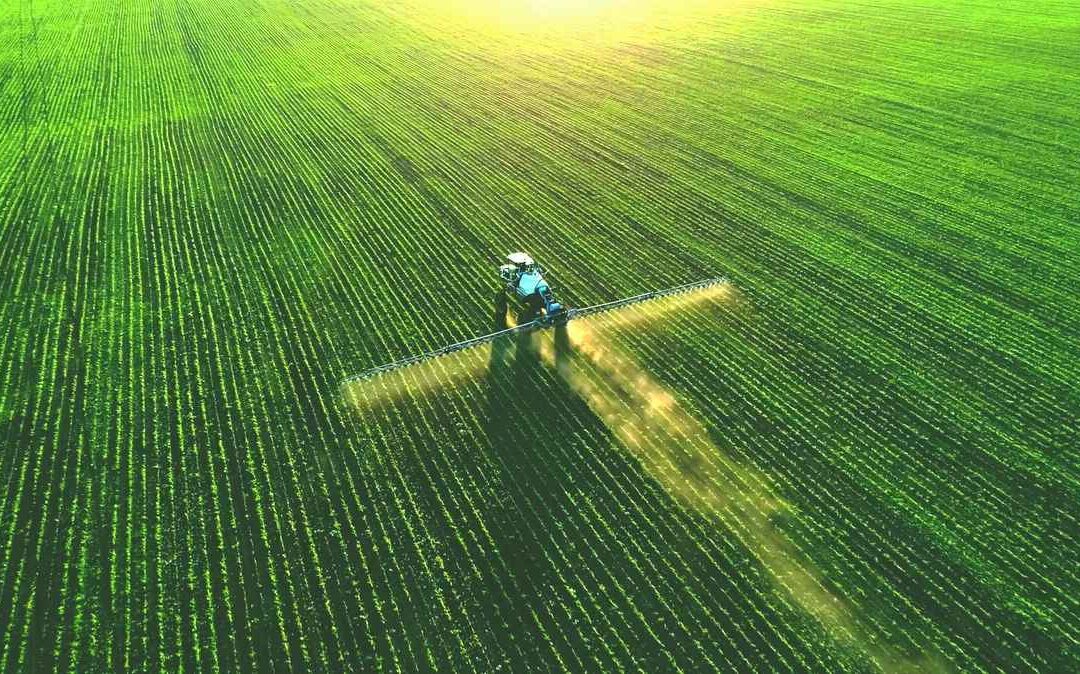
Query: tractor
[[524, 286]]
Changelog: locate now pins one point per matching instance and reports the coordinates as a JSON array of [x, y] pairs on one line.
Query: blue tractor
[[525, 285]]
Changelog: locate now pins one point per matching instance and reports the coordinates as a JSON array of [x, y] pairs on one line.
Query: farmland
[[859, 454]]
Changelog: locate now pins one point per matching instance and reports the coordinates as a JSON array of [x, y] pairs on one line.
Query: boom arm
[[543, 322]]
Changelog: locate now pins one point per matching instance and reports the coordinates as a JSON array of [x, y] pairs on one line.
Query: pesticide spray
[[421, 379], [676, 450], [671, 444]]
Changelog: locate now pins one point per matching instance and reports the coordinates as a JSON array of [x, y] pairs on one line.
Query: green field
[[861, 454]]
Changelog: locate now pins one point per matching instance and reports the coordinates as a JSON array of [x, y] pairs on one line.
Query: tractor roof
[[519, 259]]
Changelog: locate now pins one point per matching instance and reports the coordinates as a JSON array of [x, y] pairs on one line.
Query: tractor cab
[[517, 264]]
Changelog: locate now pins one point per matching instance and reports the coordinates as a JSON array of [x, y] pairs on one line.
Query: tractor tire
[[498, 317]]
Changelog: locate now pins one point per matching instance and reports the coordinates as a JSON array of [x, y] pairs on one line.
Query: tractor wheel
[[498, 320], [530, 310]]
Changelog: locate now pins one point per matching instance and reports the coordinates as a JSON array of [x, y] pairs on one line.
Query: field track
[[861, 455]]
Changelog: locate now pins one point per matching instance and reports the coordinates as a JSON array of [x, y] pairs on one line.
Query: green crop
[[861, 455]]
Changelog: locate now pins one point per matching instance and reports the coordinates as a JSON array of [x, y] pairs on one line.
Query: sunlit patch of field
[[558, 25]]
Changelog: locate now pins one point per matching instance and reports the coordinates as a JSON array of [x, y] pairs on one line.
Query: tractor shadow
[[525, 443], [543, 392], [545, 527]]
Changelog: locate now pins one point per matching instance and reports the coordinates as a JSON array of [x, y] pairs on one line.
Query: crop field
[[859, 453]]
